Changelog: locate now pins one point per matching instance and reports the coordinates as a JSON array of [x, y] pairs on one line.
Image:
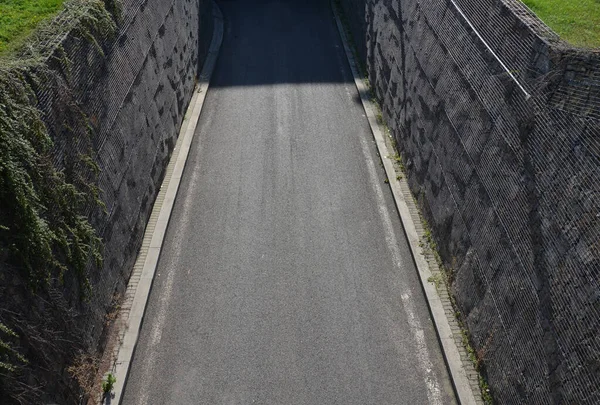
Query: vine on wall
[[45, 235]]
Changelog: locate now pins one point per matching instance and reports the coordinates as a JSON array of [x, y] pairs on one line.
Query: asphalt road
[[285, 277]]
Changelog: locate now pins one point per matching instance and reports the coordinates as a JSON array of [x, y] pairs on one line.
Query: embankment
[[498, 122], [99, 95]]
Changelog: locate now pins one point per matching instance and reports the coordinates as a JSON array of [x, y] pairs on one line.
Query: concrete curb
[[463, 386], [140, 282]]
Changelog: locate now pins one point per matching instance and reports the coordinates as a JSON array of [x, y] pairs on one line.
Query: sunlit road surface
[[285, 277]]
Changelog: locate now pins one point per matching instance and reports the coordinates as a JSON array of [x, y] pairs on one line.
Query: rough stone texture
[[509, 183], [136, 95], [133, 91]]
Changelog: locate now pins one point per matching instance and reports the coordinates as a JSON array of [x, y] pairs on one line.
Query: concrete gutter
[[140, 283], [463, 377]]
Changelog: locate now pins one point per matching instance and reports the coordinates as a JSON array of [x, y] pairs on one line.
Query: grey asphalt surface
[[285, 277]]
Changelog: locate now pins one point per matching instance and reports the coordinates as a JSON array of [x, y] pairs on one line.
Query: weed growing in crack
[[108, 383]]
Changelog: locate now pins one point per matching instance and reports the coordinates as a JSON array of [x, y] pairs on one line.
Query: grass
[[576, 21], [18, 18]]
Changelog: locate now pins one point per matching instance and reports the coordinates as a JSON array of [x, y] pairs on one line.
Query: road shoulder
[[463, 375], [140, 283]]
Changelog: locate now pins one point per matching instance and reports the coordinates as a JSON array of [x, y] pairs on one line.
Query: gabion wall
[[120, 100], [135, 94], [499, 125]]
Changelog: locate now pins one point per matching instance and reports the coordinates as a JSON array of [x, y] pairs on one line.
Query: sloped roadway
[[285, 276]]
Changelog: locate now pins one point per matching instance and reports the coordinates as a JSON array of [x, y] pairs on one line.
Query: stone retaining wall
[[498, 123], [121, 101]]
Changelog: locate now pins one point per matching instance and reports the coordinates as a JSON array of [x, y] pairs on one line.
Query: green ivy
[[9, 357], [44, 231]]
